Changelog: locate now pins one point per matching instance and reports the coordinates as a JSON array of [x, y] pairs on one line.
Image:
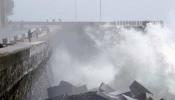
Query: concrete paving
[[22, 45]]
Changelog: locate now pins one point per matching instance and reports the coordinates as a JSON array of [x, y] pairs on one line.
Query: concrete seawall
[[18, 64]]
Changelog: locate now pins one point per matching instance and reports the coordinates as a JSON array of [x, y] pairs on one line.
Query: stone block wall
[[17, 68]]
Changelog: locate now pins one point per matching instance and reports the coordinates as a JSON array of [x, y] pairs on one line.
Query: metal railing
[[9, 36], [137, 23]]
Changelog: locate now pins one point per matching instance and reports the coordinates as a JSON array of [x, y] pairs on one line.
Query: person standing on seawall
[[30, 35]]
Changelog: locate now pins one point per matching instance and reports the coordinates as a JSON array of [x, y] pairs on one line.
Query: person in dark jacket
[[30, 35]]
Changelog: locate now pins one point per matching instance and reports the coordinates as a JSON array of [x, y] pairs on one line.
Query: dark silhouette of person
[[30, 35]]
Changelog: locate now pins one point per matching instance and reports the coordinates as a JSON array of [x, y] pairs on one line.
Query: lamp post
[[3, 16], [100, 14], [76, 11]]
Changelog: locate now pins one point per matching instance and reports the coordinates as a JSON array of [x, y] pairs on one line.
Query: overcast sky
[[88, 10]]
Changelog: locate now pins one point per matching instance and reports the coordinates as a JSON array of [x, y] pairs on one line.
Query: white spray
[[119, 58]]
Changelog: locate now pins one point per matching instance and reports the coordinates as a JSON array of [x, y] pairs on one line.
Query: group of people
[[31, 34]]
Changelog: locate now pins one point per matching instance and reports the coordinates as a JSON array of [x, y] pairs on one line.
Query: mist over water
[[91, 55]]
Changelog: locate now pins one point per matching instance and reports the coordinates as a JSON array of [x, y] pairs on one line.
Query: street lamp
[[76, 10], [2, 13], [100, 14]]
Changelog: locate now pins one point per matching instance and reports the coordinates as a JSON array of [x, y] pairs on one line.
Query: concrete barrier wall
[[16, 68]]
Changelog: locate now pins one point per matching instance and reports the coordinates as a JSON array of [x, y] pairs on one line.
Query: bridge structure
[[130, 23]]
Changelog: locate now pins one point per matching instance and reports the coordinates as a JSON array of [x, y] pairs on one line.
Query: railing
[[137, 23], [11, 36]]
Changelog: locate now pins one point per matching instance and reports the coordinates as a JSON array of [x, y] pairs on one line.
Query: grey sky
[[88, 10]]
